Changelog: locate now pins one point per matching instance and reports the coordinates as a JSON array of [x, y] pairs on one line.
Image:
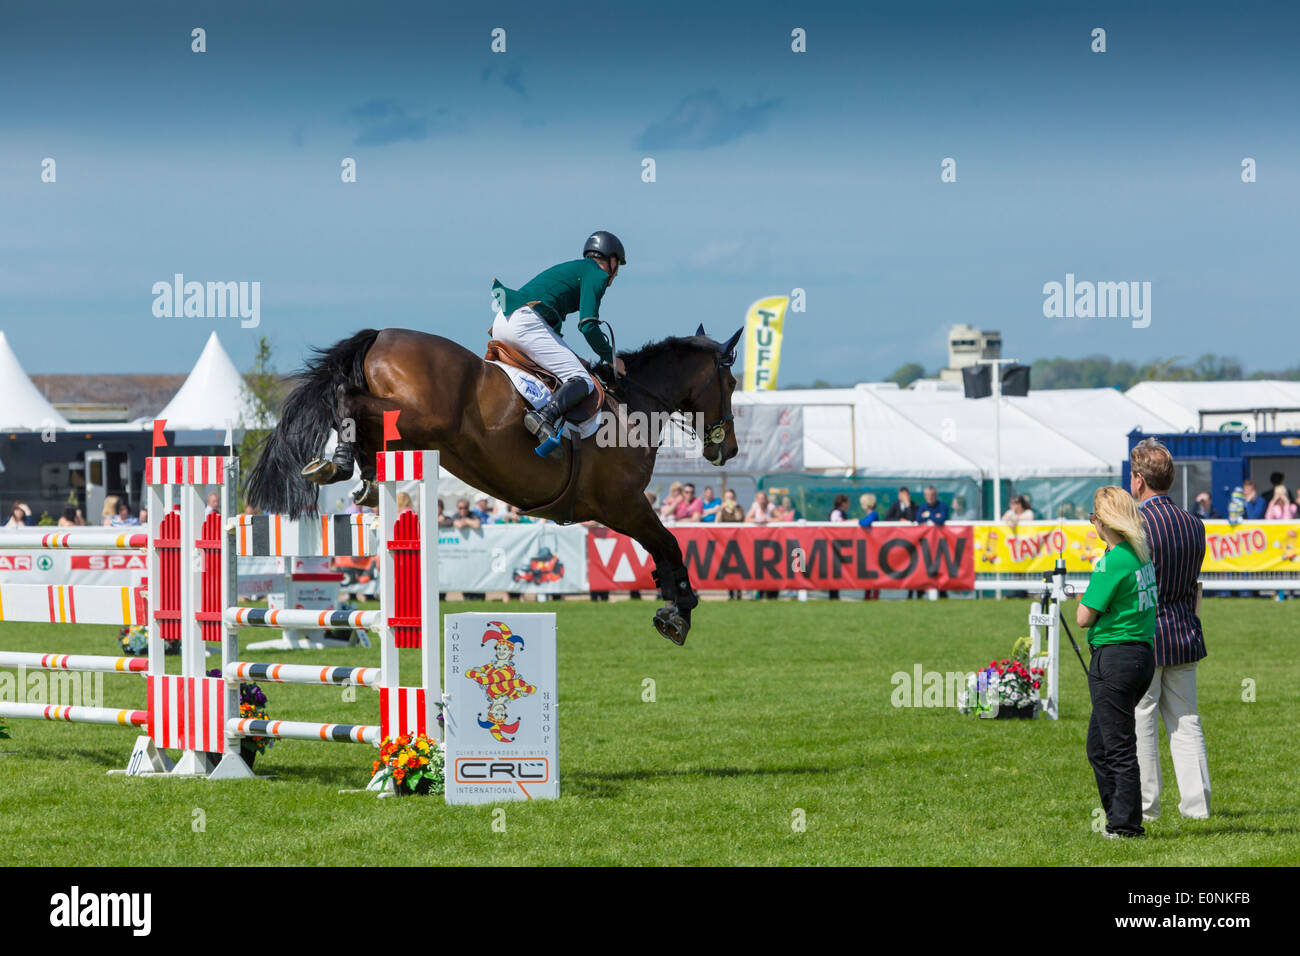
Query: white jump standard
[[154, 605], [407, 617]]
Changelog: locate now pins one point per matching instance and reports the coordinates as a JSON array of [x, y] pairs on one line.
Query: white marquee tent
[[22, 406], [855, 431], [933, 431], [212, 396], [1097, 420], [1267, 405]]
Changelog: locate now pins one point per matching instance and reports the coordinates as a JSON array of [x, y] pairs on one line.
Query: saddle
[[561, 509], [498, 351]]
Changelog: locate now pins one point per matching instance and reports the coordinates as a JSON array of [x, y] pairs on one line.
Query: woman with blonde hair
[[110, 510], [1119, 608], [671, 500], [870, 516]]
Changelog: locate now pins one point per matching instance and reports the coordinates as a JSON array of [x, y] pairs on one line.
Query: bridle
[[714, 433]]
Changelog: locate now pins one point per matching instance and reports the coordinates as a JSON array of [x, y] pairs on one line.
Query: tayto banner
[[726, 557], [1258, 547], [1251, 546]]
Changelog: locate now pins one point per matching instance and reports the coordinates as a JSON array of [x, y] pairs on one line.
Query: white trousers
[[528, 332], [1172, 696]]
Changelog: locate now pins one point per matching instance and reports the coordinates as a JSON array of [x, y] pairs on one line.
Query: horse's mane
[[638, 358]]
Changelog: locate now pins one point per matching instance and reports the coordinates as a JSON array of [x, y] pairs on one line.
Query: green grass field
[[770, 709]]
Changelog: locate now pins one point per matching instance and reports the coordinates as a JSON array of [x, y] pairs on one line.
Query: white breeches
[[528, 332]]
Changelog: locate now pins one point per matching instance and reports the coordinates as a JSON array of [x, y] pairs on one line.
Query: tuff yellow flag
[[763, 328]]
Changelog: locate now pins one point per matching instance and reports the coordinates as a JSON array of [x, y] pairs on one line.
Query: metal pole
[[997, 444], [997, 454], [996, 372]]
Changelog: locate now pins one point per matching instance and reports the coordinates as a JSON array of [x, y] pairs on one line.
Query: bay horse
[[469, 411]]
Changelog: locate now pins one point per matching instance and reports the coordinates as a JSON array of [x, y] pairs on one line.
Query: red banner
[[843, 557]]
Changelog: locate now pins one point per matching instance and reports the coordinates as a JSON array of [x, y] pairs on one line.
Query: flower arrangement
[[134, 641], [252, 706], [413, 763], [1007, 685], [4, 729]]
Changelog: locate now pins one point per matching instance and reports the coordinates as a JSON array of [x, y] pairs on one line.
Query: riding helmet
[[605, 244]]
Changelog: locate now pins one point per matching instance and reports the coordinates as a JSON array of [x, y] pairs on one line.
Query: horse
[[469, 411]]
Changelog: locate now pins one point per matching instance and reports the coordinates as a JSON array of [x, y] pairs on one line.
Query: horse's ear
[[700, 330], [729, 347]]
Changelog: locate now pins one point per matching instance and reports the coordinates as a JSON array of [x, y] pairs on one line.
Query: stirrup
[[550, 446], [537, 421]]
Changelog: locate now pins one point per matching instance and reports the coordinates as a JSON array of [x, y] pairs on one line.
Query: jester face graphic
[[499, 681]]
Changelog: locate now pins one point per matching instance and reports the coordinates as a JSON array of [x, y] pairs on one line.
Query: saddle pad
[[536, 393]]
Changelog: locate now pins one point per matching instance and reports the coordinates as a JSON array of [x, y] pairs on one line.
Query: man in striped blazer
[[1177, 541]]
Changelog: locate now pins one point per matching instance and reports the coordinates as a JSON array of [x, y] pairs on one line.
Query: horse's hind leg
[[340, 466], [363, 417]]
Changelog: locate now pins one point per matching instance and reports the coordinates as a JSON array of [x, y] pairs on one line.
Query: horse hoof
[[367, 496], [672, 625], [320, 472]]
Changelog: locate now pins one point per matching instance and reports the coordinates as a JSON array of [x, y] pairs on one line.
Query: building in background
[[966, 346]]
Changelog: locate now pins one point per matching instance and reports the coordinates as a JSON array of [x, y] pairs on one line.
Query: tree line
[[1101, 371]]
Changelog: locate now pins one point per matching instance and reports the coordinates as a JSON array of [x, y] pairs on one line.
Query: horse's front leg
[[673, 620]]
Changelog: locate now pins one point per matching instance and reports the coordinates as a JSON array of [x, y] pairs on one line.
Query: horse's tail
[[310, 411]]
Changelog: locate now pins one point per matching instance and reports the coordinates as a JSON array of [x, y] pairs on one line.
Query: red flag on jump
[[159, 439], [390, 427]]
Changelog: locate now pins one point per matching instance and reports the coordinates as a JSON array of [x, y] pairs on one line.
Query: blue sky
[[775, 170]]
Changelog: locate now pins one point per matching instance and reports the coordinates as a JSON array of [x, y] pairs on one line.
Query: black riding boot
[[544, 422]]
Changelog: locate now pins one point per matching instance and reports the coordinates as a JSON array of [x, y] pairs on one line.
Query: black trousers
[[1117, 679]]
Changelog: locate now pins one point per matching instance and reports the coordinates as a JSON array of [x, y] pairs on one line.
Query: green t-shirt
[[1123, 591], [574, 286]]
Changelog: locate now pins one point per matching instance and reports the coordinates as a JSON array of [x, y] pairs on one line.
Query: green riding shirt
[[1123, 591], [575, 286]]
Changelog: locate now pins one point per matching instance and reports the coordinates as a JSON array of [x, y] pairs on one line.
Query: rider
[[530, 318]]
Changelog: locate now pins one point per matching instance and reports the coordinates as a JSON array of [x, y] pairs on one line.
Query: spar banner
[[524, 558], [113, 568], [1031, 547], [774, 557], [769, 438]]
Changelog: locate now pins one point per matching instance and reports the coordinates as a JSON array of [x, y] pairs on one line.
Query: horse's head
[[710, 398], [693, 375]]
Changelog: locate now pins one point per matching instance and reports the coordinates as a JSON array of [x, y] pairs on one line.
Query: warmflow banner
[[726, 557]]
